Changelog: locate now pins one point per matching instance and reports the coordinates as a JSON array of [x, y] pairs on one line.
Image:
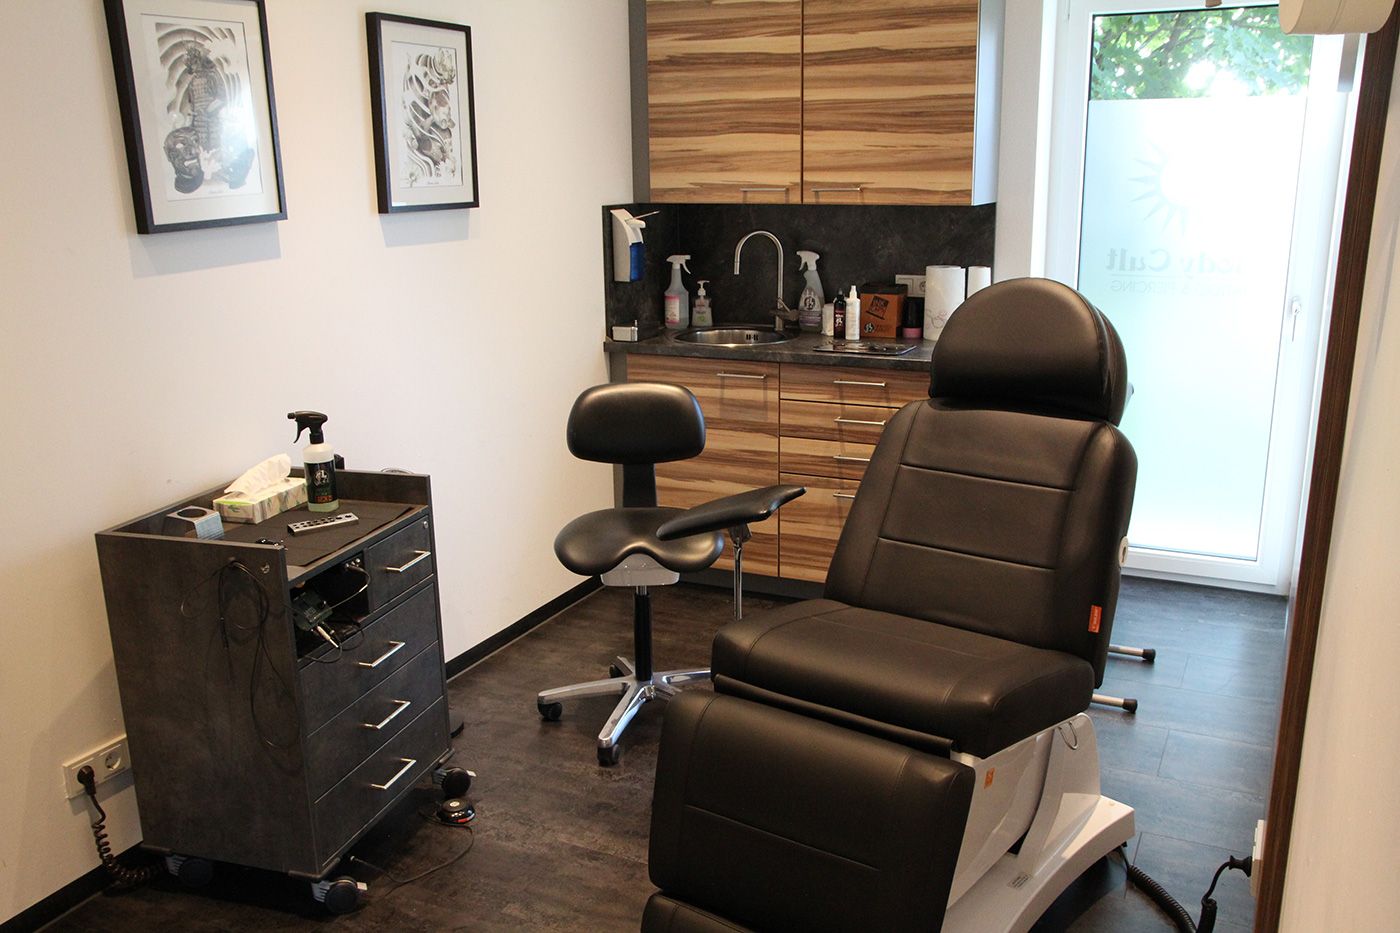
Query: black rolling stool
[[639, 425]]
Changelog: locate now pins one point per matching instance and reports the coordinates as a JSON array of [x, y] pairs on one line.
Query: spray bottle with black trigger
[[319, 461]]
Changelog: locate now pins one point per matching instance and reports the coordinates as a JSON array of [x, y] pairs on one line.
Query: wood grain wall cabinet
[[740, 404], [889, 101], [724, 84], [818, 101]]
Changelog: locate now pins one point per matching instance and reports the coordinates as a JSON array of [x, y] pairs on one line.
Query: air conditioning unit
[[1333, 16]]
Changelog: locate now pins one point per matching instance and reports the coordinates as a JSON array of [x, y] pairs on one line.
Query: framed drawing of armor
[[194, 81], [420, 85]]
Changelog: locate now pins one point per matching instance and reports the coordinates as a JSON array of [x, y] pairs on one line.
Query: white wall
[[1345, 846], [138, 370]]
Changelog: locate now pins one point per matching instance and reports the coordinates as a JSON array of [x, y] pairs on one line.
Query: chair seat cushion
[[599, 541], [981, 692]]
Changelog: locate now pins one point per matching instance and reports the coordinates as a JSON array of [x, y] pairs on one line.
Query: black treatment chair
[[639, 425], [910, 752]]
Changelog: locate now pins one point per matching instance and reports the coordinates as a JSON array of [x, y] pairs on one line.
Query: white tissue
[[978, 278], [255, 479], [946, 287]]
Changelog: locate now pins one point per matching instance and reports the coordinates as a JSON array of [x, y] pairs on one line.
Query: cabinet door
[[889, 88], [740, 404], [724, 88]]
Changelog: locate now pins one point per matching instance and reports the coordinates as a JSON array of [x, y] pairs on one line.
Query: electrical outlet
[[106, 763], [918, 284], [1256, 871]]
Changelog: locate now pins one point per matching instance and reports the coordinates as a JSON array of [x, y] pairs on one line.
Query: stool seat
[[900, 678], [598, 541]]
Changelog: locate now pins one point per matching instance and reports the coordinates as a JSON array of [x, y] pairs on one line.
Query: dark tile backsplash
[[857, 244]]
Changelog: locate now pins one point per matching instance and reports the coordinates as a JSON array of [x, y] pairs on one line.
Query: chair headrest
[[1032, 343]]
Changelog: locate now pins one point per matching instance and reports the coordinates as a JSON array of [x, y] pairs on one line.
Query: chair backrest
[[1000, 504], [637, 425]]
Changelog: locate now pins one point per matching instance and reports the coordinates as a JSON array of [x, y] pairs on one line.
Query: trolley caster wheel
[[192, 872], [454, 782], [614, 671], [1130, 706], [1149, 655], [607, 757], [550, 712], [340, 895]]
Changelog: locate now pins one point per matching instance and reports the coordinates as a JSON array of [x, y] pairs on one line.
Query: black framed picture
[[420, 86], [194, 81]]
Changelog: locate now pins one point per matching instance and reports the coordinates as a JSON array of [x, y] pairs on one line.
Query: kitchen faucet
[[782, 313]]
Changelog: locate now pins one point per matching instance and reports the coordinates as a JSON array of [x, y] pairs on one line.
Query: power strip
[[1257, 871]]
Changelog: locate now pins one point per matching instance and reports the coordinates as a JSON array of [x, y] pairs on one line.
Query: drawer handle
[[765, 188], [408, 764], [844, 188], [397, 646], [403, 705], [739, 376], [422, 555], [845, 459], [852, 382], [844, 495], [873, 424]]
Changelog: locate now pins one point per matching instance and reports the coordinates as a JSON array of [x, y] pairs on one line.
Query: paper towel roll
[[1299, 17], [978, 278], [946, 286]]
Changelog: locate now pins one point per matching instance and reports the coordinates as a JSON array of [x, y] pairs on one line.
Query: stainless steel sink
[[731, 336]]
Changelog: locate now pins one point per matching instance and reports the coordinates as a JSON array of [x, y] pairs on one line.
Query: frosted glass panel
[[1188, 211]]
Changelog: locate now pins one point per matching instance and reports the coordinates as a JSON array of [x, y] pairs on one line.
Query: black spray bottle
[[319, 461]]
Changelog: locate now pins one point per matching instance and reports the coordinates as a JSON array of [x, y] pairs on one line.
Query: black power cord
[[1172, 907], [125, 876]]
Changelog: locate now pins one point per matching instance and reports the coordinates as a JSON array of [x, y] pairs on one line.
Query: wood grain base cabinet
[[252, 742], [766, 423]]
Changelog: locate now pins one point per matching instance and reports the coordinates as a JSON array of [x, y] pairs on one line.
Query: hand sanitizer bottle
[[701, 315], [853, 315], [676, 305]]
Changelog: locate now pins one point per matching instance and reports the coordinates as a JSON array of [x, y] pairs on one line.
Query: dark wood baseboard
[[513, 631], [59, 902]]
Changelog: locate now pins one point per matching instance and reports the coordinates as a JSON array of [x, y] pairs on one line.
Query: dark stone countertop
[[797, 350]]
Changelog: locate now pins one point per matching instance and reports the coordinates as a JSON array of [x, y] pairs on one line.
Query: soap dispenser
[[676, 305], [702, 316], [809, 304]]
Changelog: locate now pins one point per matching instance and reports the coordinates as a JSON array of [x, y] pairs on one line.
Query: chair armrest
[[729, 512]]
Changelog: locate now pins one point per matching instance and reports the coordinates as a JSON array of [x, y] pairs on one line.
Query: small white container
[[828, 320]]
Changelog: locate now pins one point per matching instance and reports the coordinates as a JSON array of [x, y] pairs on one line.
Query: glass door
[[1196, 157]]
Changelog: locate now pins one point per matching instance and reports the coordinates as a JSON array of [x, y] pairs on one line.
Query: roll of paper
[[978, 278], [946, 286], [1311, 17]]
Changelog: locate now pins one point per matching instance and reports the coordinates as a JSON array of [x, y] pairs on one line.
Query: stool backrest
[[1000, 504], [636, 425]]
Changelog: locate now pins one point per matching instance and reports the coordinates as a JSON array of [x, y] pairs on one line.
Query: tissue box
[[290, 493]]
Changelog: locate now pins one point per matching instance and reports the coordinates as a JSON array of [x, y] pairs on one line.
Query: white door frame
[[1306, 307]]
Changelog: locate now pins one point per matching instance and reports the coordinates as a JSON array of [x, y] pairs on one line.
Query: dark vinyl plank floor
[[560, 843]]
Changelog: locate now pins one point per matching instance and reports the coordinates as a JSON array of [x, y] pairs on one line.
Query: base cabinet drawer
[[399, 563], [886, 388], [811, 525], [380, 780], [389, 642], [835, 459]]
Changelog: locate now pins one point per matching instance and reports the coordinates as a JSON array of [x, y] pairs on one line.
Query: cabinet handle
[[422, 555], [765, 188], [845, 459], [842, 188], [397, 645], [403, 705], [852, 382], [873, 424], [844, 495], [738, 376], [408, 764]]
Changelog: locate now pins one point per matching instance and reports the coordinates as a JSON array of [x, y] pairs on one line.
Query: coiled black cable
[[124, 875], [1162, 897]]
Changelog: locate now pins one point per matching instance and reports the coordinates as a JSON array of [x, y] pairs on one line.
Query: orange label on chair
[[991, 775], [1095, 618]]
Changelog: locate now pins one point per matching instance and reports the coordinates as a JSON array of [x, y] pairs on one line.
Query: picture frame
[[194, 84], [424, 114]]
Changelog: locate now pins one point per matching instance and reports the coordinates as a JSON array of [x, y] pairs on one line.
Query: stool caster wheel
[[192, 872], [607, 757], [454, 782], [1149, 655], [550, 712], [1130, 706], [614, 671], [340, 895]]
